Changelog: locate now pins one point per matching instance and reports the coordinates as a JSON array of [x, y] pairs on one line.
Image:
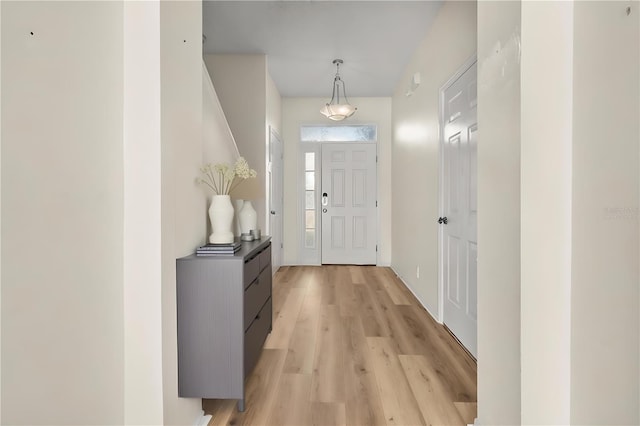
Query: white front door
[[348, 203], [459, 208], [276, 200]]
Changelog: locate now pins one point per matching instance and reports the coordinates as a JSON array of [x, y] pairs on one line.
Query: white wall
[[142, 215], [448, 44], [306, 111], [577, 176], [241, 84], [184, 203], [498, 213], [101, 144], [546, 173], [605, 278], [62, 193]]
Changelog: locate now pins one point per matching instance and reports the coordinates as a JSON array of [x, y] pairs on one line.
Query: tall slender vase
[[248, 217], [239, 204], [221, 217]]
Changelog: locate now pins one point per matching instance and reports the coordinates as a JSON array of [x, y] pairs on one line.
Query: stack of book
[[219, 249]]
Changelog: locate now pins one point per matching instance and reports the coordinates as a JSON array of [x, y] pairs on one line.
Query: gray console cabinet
[[224, 317]]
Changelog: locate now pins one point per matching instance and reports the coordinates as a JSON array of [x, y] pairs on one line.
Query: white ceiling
[[301, 38]]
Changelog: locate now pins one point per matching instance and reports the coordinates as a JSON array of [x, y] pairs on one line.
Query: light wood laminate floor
[[351, 346]]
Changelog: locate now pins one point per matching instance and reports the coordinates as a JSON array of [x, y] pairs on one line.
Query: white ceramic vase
[[248, 217], [221, 217], [236, 223]]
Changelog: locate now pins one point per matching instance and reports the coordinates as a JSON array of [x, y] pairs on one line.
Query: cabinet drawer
[[255, 336], [265, 257], [251, 270], [255, 295]]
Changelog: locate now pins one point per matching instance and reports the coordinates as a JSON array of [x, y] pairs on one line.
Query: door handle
[[325, 199], [273, 212], [443, 220]]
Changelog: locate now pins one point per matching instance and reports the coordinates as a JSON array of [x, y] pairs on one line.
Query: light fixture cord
[[337, 80], [336, 87]]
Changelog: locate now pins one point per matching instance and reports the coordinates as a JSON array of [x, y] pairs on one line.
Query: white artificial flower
[[222, 178]]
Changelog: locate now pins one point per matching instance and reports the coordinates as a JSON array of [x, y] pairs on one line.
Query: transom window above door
[[350, 133]]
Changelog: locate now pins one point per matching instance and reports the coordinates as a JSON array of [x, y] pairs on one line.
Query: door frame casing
[[274, 133], [316, 146], [461, 70], [305, 257]]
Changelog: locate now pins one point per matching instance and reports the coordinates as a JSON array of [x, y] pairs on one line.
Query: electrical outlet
[[417, 272]]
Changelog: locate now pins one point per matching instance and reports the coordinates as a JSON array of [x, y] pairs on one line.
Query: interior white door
[[276, 198], [348, 203], [459, 209]]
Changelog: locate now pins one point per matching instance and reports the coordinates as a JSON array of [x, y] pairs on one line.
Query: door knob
[[443, 220]]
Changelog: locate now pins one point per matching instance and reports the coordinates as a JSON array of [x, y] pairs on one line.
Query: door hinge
[[376, 247], [376, 203], [281, 245]]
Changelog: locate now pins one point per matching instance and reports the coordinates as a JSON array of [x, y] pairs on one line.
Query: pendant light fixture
[[335, 110]]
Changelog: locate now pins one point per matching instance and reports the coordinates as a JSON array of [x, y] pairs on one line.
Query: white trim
[[304, 257], [465, 66], [316, 146], [217, 105], [203, 419], [273, 134]]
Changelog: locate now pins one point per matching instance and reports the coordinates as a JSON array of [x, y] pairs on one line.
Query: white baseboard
[[435, 318], [202, 420]]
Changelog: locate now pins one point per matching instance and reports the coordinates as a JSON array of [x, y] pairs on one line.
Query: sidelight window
[[310, 233]]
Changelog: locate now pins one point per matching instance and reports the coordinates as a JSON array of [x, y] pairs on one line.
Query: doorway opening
[[338, 195], [458, 206]]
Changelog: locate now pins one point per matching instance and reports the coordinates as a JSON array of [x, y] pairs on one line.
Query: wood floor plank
[[302, 346], [404, 339], [351, 345], [373, 320], [328, 289], [427, 386], [221, 410], [315, 283], [468, 411], [396, 291], [284, 322], [279, 294], [363, 403], [346, 298], [357, 274], [328, 414], [285, 273], [328, 366], [291, 405], [259, 397], [398, 402], [445, 353]]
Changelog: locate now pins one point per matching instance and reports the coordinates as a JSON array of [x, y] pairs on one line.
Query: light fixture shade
[[334, 110], [338, 112]]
